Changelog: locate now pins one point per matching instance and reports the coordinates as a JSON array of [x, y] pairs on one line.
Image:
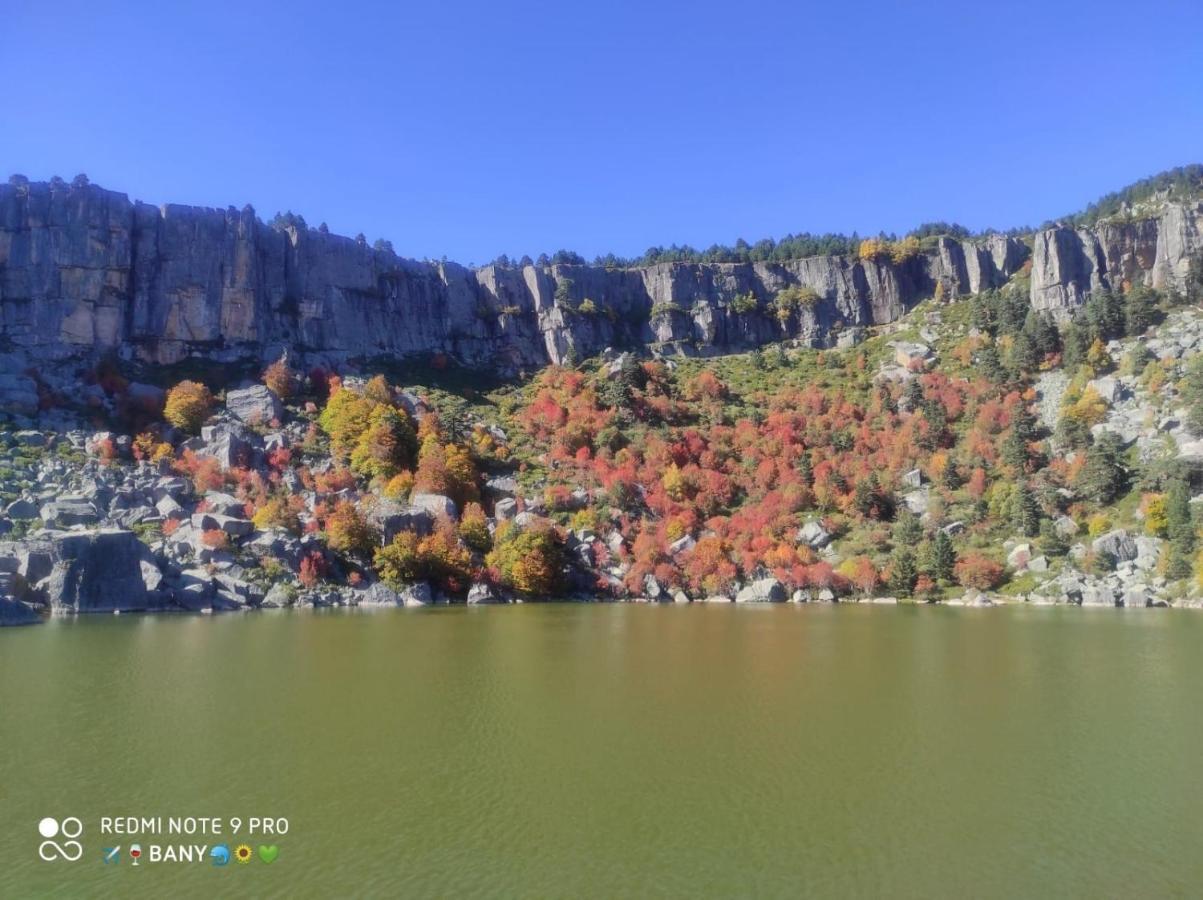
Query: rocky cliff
[[86, 271], [1155, 250]]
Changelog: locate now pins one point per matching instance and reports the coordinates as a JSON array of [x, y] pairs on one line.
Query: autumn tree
[[280, 379], [528, 560], [348, 531], [973, 570], [474, 528], [188, 405], [446, 469]]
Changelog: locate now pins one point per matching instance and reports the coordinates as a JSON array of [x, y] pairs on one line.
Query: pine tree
[[1104, 477], [908, 531], [1180, 529], [1138, 311], [805, 470], [1192, 395], [989, 366], [903, 571], [944, 556], [1051, 541], [1025, 512]]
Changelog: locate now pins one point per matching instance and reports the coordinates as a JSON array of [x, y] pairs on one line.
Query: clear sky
[[468, 129]]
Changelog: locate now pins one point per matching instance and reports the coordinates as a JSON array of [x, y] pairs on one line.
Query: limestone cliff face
[[85, 271], [1068, 264]]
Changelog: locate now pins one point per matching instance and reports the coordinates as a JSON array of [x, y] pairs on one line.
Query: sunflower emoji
[[242, 853]]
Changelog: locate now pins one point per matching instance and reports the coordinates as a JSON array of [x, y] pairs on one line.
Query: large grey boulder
[[1118, 544], [391, 518], [505, 509], [97, 571], [376, 594], [230, 443], [481, 593], [255, 405], [22, 508], [416, 594], [67, 511], [763, 590], [435, 504], [814, 535]]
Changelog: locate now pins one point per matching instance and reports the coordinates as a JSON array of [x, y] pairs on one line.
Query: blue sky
[[472, 129]]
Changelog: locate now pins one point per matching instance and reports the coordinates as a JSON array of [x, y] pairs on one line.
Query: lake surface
[[619, 750]]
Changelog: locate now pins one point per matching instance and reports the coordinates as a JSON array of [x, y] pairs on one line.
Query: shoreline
[[983, 602]]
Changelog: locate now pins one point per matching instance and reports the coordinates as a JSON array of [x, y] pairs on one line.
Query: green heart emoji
[[268, 854]]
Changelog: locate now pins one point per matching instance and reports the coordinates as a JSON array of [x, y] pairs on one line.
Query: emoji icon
[[268, 853], [220, 855], [112, 855], [242, 853], [135, 850]]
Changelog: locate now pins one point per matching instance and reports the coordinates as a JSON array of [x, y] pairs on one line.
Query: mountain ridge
[[85, 271]]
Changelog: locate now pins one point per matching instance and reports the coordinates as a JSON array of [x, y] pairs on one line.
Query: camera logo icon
[[51, 848]]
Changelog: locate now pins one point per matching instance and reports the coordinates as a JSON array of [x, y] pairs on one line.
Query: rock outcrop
[[86, 271], [1068, 264]]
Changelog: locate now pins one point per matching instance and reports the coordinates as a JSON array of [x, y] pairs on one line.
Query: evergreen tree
[[1180, 529], [1138, 311], [944, 557], [1042, 332], [1104, 477], [805, 469], [1025, 512], [989, 365], [1024, 357], [1051, 541], [903, 571], [1192, 394], [1015, 445], [1075, 342], [908, 531]]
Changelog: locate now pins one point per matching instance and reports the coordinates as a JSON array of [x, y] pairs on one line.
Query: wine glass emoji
[[135, 851]]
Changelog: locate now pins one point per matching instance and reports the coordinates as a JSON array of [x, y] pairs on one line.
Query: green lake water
[[618, 750]]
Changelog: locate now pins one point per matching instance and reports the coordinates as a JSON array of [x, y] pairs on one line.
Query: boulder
[[417, 594], [763, 590], [22, 508], [376, 594], [815, 535], [682, 545], [917, 501], [502, 486], [254, 405], [505, 509], [390, 518], [98, 571], [435, 504], [482, 593], [1019, 556], [1118, 544], [1065, 527], [230, 443], [67, 511]]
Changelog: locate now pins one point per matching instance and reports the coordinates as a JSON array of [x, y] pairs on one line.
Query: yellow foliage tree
[[1089, 409], [347, 531], [188, 405]]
